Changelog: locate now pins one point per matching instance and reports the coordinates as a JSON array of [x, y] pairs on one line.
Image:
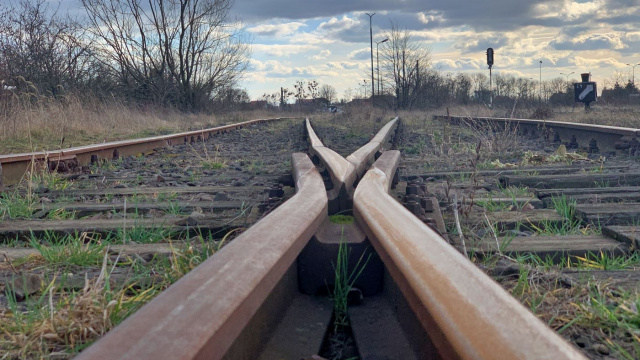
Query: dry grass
[[600, 113], [57, 323], [596, 316], [57, 328], [54, 125]]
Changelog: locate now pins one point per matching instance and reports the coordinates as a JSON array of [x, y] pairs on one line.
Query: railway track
[[264, 295]]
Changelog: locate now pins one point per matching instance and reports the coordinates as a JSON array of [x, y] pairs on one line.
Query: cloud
[[346, 65], [360, 54], [480, 42], [334, 24], [592, 63], [322, 55], [590, 42], [279, 50], [431, 17], [283, 29]]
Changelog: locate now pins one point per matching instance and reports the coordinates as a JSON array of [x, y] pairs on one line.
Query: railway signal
[[490, 63], [490, 57], [585, 91]]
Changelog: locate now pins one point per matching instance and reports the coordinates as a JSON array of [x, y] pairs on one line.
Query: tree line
[[186, 54]]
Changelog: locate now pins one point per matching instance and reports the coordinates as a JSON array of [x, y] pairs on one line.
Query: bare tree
[[328, 92], [312, 86], [180, 52], [347, 96], [41, 48], [299, 91], [405, 63]]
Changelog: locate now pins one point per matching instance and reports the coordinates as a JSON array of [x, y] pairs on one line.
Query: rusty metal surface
[[466, 314], [18, 163], [345, 172], [200, 316], [624, 131], [364, 157]]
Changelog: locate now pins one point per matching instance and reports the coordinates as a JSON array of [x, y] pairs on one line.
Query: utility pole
[[371, 41], [404, 82], [540, 91], [378, 61]]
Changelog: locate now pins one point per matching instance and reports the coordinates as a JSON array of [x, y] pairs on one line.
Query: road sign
[[585, 92]]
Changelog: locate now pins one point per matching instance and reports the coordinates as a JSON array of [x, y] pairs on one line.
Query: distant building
[[258, 104], [312, 104], [360, 102]]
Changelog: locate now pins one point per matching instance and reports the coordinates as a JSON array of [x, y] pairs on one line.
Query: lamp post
[[378, 62], [567, 75], [540, 90], [371, 41], [633, 73]]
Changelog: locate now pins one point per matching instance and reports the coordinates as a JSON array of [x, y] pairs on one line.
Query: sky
[[328, 40]]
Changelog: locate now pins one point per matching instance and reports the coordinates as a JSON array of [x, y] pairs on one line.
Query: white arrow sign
[[585, 92]]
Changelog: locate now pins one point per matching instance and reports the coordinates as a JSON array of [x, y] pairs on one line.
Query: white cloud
[[282, 49], [322, 55], [430, 16], [593, 63], [360, 54], [312, 38], [282, 29], [335, 25]]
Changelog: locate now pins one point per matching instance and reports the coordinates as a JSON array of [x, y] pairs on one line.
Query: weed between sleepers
[[344, 281], [15, 206], [61, 322], [71, 250], [493, 206], [338, 343], [602, 315]]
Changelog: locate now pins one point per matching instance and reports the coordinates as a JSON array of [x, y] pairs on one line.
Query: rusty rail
[[226, 307], [14, 166], [205, 311], [465, 313], [610, 138], [345, 172]]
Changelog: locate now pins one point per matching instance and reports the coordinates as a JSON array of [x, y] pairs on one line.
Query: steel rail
[[625, 131], [226, 307], [465, 313], [203, 313], [607, 137], [342, 172], [345, 172], [365, 156], [14, 166]]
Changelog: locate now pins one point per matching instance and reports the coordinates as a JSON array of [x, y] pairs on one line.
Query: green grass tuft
[[341, 219]]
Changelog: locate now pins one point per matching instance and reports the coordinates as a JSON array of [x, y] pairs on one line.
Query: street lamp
[[371, 41], [567, 75], [378, 62], [633, 73], [540, 93]]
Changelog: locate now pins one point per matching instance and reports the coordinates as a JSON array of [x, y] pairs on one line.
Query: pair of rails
[[212, 312]]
